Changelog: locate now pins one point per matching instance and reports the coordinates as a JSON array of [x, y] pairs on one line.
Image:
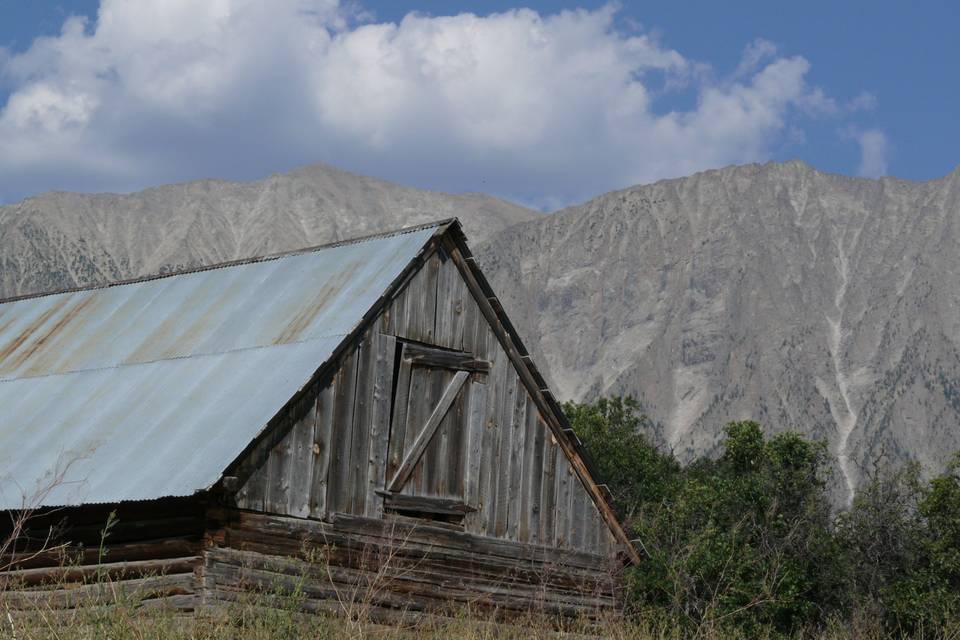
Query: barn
[[356, 418]]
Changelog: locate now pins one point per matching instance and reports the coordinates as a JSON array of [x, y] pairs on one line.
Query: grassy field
[[249, 621]]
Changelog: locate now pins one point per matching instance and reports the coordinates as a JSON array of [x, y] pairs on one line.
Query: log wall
[[71, 557], [389, 568]]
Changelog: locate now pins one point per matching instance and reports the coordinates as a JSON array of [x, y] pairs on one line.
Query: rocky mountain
[[57, 240], [811, 302], [807, 301]]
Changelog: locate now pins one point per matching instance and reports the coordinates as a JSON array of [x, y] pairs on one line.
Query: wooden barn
[[359, 419]]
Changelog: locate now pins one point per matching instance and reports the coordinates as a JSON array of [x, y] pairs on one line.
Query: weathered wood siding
[[393, 567], [69, 557], [332, 458], [494, 449]]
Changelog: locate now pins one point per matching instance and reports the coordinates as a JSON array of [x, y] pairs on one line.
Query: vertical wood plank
[[476, 428], [427, 323], [452, 308], [442, 457], [278, 476], [502, 464], [418, 404], [459, 302], [602, 547], [477, 338], [470, 316], [269, 470], [385, 322], [456, 446], [398, 425], [398, 312], [611, 544], [591, 534], [530, 507], [490, 447], [380, 423], [301, 471], [562, 508], [338, 490], [321, 450], [404, 324], [485, 344], [424, 395], [548, 503], [569, 516], [362, 413], [437, 459], [415, 317], [443, 335], [578, 512], [518, 427], [251, 495]]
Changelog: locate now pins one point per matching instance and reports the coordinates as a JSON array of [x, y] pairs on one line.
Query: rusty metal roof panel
[[152, 388]]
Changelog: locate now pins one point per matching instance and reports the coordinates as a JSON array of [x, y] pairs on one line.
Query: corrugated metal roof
[[152, 388]]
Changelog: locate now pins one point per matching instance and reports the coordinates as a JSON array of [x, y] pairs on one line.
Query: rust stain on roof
[[56, 335], [11, 362], [201, 327], [308, 312]]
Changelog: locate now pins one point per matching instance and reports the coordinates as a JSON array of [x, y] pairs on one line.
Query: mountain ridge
[[770, 291], [60, 239]]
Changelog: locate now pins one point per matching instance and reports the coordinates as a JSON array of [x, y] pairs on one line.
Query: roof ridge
[[440, 225]]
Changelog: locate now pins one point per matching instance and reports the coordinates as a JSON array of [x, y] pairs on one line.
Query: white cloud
[[48, 109], [874, 149], [540, 108], [754, 54], [864, 101]]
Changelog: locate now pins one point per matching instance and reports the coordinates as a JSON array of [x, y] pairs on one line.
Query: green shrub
[[748, 543]]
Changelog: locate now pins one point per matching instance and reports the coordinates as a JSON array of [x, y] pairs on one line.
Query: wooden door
[[437, 419]]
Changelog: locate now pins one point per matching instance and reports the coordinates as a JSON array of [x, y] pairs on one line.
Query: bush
[[748, 542], [613, 432], [901, 540]]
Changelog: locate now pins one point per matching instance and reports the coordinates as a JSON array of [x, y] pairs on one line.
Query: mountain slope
[[58, 240], [808, 301]]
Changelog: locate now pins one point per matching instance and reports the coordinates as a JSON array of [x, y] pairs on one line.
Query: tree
[[742, 541], [612, 429], [748, 541]]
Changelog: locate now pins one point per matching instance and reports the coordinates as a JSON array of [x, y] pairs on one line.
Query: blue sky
[[546, 103]]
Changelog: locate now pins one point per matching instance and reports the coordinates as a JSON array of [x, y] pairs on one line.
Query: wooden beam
[[419, 354], [425, 504]]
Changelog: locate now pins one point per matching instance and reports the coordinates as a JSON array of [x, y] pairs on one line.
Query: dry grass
[[119, 610], [100, 607], [103, 608], [129, 618]]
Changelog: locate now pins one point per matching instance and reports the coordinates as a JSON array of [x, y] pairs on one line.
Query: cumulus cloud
[[874, 149], [540, 108]]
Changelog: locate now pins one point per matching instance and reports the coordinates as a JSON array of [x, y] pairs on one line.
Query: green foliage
[[747, 543], [881, 548], [613, 432], [901, 538], [738, 534], [940, 508]]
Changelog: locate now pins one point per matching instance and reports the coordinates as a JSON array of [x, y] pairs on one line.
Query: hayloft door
[[437, 421]]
